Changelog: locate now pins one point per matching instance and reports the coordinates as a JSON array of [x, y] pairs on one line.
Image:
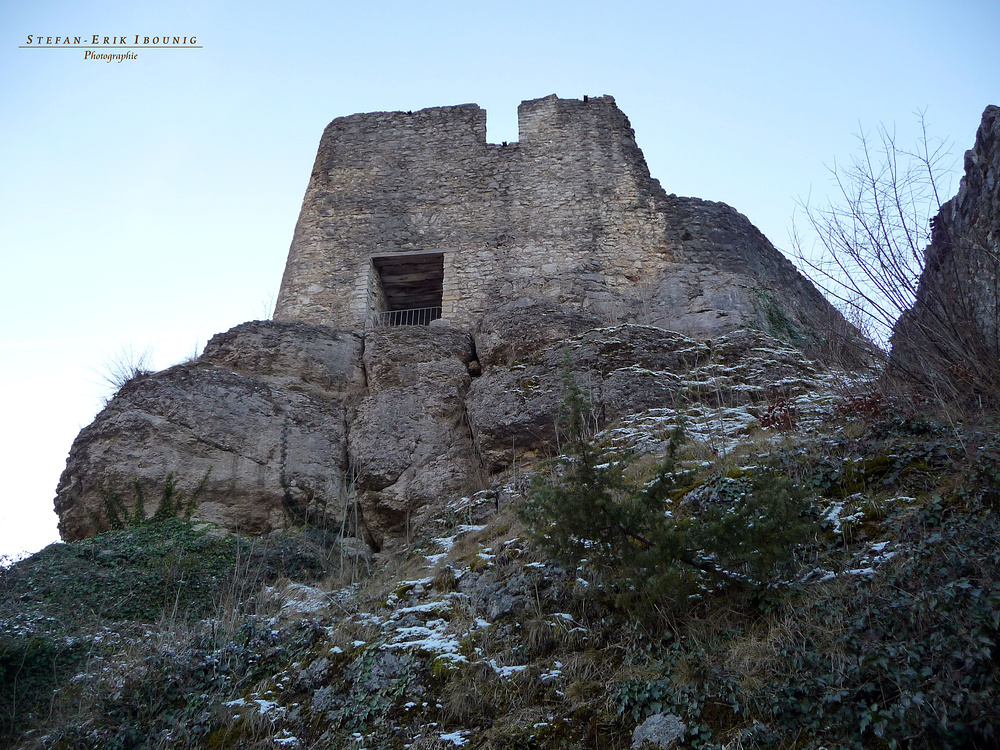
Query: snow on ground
[[298, 599], [431, 639], [506, 671]]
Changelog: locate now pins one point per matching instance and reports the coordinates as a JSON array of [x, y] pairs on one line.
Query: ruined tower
[[411, 216]]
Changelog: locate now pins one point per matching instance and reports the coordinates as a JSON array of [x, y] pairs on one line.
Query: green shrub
[[661, 536], [907, 657]]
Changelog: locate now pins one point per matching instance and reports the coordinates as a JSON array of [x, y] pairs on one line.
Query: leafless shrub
[[868, 253], [936, 305], [870, 405], [778, 414], [265, 310]]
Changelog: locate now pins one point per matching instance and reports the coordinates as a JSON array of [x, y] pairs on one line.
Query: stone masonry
[[568, 214]]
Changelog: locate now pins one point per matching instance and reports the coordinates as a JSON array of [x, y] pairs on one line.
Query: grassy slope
[[881, 632]]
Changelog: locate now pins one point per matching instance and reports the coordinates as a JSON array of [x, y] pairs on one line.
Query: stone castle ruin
[[436, 286], [411, 216]]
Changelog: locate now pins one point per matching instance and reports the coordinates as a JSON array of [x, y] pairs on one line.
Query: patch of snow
[[417, 585], [445, 542], [365, 618], [268, 707], [818, 575], [506, 671], [436, 607], [833, 517], [430, 639], [456, 738], [551, 674]]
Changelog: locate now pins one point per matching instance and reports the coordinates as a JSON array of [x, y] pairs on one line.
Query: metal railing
[[420, 316]]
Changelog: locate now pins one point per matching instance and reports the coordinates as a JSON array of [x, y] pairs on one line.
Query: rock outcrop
[[624, 370], [262, 414], [369, 433], [410, 443], [660, 730], [950, 339]]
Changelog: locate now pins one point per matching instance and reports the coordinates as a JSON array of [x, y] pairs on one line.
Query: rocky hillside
[[801, 563], [558, 255]]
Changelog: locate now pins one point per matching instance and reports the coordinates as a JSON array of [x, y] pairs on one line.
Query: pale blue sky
[[151, 202]]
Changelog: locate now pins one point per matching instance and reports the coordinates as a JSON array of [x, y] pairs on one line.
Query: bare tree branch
[[868, 241]]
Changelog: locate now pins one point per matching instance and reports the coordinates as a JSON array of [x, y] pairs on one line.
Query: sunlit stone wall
[[568, 214]]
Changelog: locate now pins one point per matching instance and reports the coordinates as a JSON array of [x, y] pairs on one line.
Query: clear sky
[[150, 203]]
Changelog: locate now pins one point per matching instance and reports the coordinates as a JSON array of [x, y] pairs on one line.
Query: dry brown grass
[[430, 743], [588, 666]]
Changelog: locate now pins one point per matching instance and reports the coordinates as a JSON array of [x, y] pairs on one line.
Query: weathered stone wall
[[569, 215]]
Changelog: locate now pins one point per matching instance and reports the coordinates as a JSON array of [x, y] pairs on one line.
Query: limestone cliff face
[[623, 370], [371, 433], [262, 412], [951, 336], [409, 440]]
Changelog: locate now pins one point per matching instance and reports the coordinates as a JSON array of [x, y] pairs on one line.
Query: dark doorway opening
[[407, 289]]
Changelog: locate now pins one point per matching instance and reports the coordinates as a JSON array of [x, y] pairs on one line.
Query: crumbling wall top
[[354, 137], [541, 119]]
